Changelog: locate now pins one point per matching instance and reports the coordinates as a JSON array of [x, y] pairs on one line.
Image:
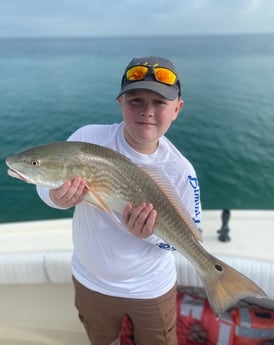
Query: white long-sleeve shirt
[[107, 258]]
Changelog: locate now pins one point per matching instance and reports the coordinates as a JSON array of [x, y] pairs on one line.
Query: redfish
[[113, 181]]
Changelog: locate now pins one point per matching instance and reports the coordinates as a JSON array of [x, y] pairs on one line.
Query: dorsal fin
[[163, 183]]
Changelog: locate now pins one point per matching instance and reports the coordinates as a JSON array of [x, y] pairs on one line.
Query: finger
[[59, 193], [76, 189], [80, 194], [142, 216], [126, 213], [150, 224], [143, 225], [135, 213], [70, 194], [77, 192]]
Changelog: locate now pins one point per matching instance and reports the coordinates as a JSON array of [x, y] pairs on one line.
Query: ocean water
[[50, 87]]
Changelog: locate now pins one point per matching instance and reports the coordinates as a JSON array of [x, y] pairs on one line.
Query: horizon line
[[134, 35]]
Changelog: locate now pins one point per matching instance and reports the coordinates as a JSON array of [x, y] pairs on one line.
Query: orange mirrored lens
[[162, 74], [137, 73], [165, 75]]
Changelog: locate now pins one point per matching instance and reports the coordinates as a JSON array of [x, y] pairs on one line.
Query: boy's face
[[147, 116]]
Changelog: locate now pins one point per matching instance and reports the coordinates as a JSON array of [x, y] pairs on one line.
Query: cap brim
[[166, 91]]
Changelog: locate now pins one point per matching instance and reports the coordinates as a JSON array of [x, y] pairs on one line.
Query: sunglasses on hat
[[161, 74]]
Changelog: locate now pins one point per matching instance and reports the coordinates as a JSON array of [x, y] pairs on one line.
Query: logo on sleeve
[[165, 246], [196, 192]]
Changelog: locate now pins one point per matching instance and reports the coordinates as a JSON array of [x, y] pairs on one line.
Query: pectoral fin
[[96, 201]]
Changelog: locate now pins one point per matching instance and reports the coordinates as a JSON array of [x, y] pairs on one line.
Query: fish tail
[[228, 287]]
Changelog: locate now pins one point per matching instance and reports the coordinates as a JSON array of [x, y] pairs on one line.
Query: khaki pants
[[154, 320]]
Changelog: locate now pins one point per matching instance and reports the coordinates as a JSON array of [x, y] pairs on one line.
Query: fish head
[[47, 165]]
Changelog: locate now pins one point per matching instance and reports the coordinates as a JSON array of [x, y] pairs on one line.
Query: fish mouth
[[16, 174]]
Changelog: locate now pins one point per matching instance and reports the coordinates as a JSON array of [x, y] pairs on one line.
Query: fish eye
[[35, 163]]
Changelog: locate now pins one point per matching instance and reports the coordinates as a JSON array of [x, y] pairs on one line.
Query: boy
[[123, 269]]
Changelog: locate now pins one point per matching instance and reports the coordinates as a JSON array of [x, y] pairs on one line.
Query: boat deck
[[42, 313]]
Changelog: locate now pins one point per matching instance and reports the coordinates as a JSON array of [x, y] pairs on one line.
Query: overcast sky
[[134, 17]]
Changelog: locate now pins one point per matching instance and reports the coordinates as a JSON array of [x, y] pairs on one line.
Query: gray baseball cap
[[149, 82]]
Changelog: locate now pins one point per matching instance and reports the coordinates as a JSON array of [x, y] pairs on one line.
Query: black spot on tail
[[218, 267]]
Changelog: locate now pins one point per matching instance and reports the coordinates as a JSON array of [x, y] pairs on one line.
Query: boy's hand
[[70, 194], [141, 220]]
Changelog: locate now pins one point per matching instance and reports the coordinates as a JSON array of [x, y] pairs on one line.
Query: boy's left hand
[[140, 220]]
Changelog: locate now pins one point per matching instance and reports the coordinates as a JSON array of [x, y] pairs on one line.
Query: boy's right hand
[[70, 193]]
